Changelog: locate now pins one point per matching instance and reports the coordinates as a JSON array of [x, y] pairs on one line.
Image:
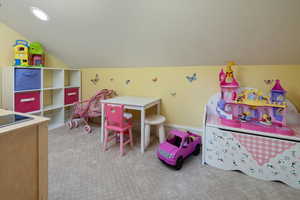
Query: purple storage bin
[[27, 79]]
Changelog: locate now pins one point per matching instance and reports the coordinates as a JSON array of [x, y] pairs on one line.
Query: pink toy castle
[[249, 108]]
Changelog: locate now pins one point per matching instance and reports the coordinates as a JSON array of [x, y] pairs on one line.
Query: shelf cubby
[[68, 112], [53, 78], [72, 78], [53, 99], [56, 117]]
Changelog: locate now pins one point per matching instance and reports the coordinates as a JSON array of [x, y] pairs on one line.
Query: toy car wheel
[[197, 150], [179, 163], [70, 124], [87, 129]]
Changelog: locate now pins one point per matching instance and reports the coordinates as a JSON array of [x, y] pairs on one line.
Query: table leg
[[102, 124], [142, 130], [158, 113]]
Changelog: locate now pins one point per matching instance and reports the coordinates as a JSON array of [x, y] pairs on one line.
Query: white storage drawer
[[263, 157]]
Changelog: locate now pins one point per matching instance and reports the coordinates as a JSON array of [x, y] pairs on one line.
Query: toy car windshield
[[174, 140]]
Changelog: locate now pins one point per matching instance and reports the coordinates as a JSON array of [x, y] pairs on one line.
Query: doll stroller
[[85, 110]]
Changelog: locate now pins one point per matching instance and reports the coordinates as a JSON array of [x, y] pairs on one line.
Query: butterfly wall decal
[[192, 78], [268, 82], [173, 94], [127, 82], [95, 80]]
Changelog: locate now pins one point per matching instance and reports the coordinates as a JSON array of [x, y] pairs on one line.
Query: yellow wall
[[186, 108], [7, 38]]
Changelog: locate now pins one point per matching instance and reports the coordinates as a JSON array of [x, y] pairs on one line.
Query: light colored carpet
[[80, 170]]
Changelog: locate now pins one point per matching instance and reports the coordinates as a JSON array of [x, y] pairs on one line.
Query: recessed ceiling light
[[40, 14]]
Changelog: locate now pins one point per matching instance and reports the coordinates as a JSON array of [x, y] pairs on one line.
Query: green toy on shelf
[[36, 54]]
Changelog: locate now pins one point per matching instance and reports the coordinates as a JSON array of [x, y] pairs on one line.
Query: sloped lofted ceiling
[[95, 33]]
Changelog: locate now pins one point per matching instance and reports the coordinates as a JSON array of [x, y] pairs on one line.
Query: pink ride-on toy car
[[177, 147]]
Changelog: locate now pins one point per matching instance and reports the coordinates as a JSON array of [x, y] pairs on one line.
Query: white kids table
[[131, 103]]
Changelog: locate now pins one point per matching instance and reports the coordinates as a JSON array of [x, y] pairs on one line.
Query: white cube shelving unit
[[54, 82]]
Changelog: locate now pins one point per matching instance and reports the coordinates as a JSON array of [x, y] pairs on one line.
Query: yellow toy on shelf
[[254, 97], [21, 50]]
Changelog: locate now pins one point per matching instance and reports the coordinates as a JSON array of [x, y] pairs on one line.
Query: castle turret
[[278, 93], [228, 84], [221, 75]]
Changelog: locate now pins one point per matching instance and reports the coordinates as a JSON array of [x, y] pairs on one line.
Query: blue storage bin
[[27, 79]]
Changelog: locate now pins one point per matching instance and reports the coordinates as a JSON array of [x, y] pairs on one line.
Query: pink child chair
[[117, 122]]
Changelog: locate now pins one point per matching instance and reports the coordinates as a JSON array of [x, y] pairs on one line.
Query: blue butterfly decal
[[127, 82], [192, 78]]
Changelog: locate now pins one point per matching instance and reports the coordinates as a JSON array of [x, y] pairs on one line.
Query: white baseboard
[[198, 130]]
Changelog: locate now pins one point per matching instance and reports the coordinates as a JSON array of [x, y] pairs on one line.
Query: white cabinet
[[49, 93], [258, 156], [265, 156]]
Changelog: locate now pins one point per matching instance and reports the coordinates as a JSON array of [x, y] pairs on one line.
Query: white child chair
[[155, 120]]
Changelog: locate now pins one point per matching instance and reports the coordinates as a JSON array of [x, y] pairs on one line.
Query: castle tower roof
[[221, 75], [277, 87], [228, 68], [232, 84], [229, 80]]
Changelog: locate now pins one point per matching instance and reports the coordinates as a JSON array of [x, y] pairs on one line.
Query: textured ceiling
[[95, 33]]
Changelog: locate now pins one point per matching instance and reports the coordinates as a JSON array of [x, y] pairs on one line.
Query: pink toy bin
[[71, 95], [27, 102]]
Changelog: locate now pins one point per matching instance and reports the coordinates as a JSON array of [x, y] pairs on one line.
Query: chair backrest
[[114, 114]]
